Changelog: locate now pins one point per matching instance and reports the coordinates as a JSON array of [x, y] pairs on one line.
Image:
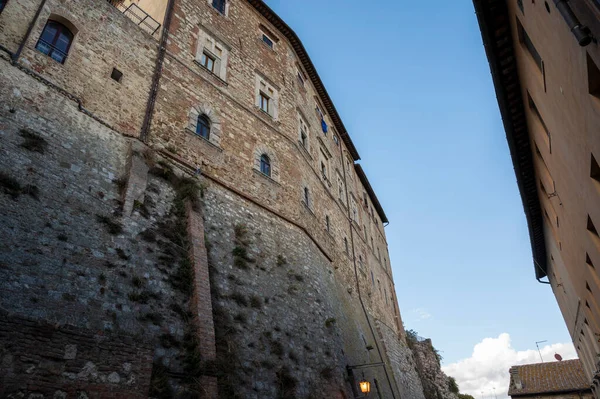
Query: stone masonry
[[225, 280]]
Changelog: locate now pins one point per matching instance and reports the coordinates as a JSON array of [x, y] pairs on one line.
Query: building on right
[[558, 380], [545, 62]]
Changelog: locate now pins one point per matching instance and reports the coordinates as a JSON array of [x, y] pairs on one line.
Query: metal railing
[[138, 16]]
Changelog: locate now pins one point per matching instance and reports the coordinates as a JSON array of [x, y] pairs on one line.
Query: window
[[2, 4], [116, 75], [303, 127], [327, 225], [220, 5], [203, 126], [306, 196], [526, 41], [336, 139], [267, 40], [264, 102], [340, 183], [324, 171], [300, 77], [321, 118], [207, 61], [540, 120], [266, 97], [354, 211], [372, 278], [591, 228], [55, 41], [593, 77], [212, 54], [265, 165], [594, 169], [588, 260], [346, 245]]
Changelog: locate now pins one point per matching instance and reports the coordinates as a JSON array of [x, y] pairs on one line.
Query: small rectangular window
[[267, 40], [264, 102], [220, 5], [116, 75], [207, 61], [528, 44], [300, 78]]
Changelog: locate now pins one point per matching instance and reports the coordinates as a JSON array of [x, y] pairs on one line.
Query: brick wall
[[42, 360]]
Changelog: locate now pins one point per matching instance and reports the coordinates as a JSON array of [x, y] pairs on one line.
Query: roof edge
[[363, 178], [493, 18], [298, 47]]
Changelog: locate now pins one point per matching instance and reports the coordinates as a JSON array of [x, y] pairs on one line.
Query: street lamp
[[365, 386]]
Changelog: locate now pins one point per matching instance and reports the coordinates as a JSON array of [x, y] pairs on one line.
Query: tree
[[465, 396], [452, 385]]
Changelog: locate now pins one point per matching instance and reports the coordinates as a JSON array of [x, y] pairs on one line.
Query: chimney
[[515, 378]]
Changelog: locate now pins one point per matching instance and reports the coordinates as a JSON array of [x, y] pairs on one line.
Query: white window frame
[[216, 49], [269, 90]]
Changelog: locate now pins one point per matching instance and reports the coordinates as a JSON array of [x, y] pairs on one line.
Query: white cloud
[[422, 314], [489, 364]]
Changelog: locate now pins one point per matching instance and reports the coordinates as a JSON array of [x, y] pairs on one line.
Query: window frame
[[266, 39], [265, 165], [60, 29], [264, 99], [207, 56], [203, 127], [224, 6]]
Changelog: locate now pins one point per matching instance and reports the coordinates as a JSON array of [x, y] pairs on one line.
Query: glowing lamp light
[[365, 386]]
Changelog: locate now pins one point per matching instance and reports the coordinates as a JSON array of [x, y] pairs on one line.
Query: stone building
[[559, 380], [183, 211], [545, 62]]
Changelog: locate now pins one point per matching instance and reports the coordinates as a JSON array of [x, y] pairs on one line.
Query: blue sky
[[412, 84]]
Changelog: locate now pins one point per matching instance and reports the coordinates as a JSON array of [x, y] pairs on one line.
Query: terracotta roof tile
[[553, 377]]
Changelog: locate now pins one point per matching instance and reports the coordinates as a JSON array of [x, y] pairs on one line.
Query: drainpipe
[[362, 304], [17, 54], [162, 49], [581, 32]]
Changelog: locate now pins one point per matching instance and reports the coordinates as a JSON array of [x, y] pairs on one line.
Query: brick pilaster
[[201, 304]]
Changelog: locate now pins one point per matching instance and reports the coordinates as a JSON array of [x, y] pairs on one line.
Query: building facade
[[564, 380], [545, 60], [108, 109]]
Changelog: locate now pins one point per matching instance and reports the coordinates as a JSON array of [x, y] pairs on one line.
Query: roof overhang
[[310, 69], [494, 23], [363, 179]]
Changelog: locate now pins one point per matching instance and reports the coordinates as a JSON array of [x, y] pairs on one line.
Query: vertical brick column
[[201, 304]]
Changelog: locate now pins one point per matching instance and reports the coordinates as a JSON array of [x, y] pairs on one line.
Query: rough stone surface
[[435, 382], [291, 302], [33, 365]]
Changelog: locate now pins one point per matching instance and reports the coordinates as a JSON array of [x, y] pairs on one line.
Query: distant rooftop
[[553, 377]]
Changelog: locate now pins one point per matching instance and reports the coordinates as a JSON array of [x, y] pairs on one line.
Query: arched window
[[203, 126], [55, 41], [265, 165], [2, 4]]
